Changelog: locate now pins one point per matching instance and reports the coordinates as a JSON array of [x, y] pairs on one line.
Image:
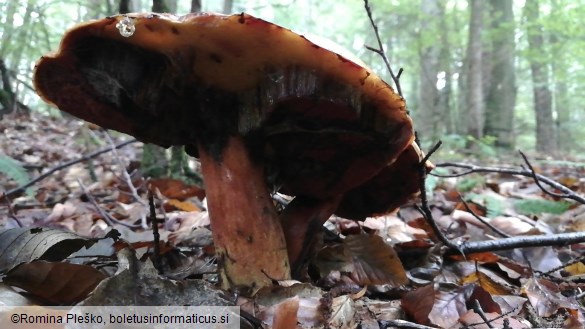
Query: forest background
[[488, 76]]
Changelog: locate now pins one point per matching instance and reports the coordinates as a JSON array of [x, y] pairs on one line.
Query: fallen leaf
[[61, 283], [23, 245], [374, 261]]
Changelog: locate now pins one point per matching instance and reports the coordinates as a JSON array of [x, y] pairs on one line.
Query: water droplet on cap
[[126, 27]]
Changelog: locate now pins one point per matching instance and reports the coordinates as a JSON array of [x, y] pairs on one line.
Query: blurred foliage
[[14, 170], [31, 28], [538, 207]]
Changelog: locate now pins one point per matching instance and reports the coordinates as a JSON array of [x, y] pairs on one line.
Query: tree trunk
[[195, 6], [426, 114], [228, 6], [545, 128], [124, 7], [501, 95], [560, 69], [475, 115], [446, 92]]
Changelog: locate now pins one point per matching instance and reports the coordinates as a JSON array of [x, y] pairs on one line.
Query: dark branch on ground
[[470, 168], [470, 247], [484, 222], [51, 171]]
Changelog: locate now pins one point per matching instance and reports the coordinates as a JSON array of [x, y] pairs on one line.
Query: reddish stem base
[[247, 233], [302, 220]]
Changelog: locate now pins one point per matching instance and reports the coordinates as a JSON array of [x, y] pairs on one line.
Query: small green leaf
[[536, 207], [14, 169]]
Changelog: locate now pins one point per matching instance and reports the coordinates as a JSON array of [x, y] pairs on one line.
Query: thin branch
[[424, 209], [51, 171], [380, 49], [109, 219], [477, 309], [470, 247], [156, 236], [431, 151], [537, 181], [383, 324], [567, 192], [127, 177], [562, 239], [483, 221]]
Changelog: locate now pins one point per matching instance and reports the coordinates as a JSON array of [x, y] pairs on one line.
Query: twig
[[424, 209], [537, 181], [383, 324], [567, 192], [65, 165], [380, 50], [127, 177], [470, 247], [431, 151], [477, 309], [107, 217], [156, 236], [11, 212], [562, 239], [483, 221]]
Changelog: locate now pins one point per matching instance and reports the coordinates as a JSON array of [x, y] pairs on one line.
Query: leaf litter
[[378, 272]]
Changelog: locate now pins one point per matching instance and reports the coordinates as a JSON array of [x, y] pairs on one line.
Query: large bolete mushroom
[[263, 108]]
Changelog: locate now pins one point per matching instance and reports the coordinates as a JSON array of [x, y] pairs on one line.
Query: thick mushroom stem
[[247, 233], [302, 220]]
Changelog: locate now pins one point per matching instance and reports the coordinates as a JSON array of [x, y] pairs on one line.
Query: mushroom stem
[[248, 237], [302, 220]]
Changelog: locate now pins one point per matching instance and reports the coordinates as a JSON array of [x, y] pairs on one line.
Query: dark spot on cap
[[316, 47], [216, 58], [341, 58], [363, 81], [242, 19], [148, 27], [174, 30]]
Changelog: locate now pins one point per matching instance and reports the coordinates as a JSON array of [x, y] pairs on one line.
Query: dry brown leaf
[[576, 268], [374, 261], [22, 245], [546, 298], [61, 283], [486, 282], [174, 204], [285, 314], [511, 225], [177, 189], [343, 313], [418, 303]]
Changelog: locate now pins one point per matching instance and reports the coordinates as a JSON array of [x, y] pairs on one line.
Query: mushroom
[[263, 109]]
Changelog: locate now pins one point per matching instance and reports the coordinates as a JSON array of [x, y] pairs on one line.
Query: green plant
[[536, 207], [14, 170], [494, 206]]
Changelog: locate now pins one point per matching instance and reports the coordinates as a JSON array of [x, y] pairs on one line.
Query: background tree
[[528, 57], [546, 140], [501, 94], [475, 104], [429, 120]]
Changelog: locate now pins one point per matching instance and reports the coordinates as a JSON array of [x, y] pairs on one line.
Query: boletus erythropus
[[263, 108]]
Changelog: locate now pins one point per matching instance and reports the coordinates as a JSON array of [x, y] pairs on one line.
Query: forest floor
[[349, 282]]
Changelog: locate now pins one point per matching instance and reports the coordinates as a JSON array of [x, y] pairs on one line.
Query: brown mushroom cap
[[391, 188], [177, 80]]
